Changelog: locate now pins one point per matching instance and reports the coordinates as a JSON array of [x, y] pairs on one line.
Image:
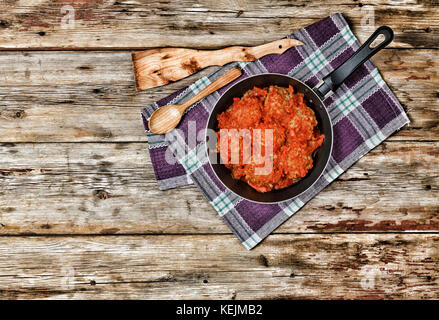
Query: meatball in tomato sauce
[[268, 125]]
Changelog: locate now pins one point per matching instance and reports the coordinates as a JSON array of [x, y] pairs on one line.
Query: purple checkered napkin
[[363, 110]]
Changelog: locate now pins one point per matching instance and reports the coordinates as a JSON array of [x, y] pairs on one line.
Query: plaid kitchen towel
[[364, 112]]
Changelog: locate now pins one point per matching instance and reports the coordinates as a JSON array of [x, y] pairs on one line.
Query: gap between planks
[[6, 143], [124, 50], [225, 234]]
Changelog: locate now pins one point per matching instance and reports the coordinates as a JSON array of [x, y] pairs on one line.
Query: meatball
[[277, 103]]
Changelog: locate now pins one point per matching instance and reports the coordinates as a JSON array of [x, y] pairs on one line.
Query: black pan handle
[[332, 81]]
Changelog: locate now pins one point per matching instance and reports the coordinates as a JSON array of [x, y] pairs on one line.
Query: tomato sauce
[[295, 137]]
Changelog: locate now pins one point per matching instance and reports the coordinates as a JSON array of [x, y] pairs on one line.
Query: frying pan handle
[[331, 82]]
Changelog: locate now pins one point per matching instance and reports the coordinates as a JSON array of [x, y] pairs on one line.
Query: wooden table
[[80, 212]]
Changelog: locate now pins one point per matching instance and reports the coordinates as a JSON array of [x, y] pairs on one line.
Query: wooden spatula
[[157, 67]]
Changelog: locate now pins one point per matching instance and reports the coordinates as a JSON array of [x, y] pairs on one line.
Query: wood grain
[[362, 266], [75, 96], [80, 212], [96, 188], [202, 24]]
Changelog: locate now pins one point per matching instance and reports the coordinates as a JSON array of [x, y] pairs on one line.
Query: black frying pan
[[314, 98]]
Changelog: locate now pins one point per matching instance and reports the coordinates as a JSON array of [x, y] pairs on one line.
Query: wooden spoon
[[168, 117]]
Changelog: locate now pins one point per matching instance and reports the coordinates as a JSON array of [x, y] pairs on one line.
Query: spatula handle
[[237, 53], [226, 78]]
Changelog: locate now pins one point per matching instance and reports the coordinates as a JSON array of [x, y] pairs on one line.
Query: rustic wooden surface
[[80, 212]]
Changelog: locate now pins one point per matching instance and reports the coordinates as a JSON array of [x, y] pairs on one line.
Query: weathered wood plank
[[71, 97], [96, 188], [360, 266], [205, 24], [57, 189]]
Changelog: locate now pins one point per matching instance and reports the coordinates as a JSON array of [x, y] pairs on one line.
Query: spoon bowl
[[165, 119]]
